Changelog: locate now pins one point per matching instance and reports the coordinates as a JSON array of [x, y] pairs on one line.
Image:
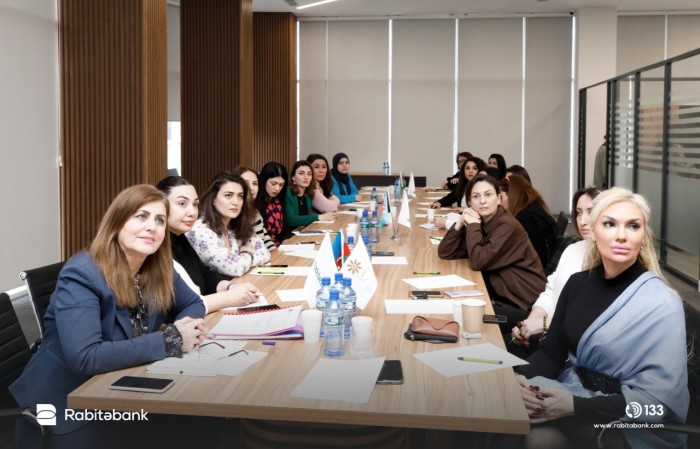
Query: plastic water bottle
[[333, 323], [373, 196], [397, 189], [385, 168], [364, 224], [351, 242], [374, 228], [365, 240], [348, 302], [323, 295], [338, 284]]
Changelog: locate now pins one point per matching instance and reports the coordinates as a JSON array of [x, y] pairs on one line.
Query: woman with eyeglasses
[[497, 245]]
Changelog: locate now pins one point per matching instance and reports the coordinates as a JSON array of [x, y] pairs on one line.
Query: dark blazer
[[87, 334], [204, 277], [541, 229]]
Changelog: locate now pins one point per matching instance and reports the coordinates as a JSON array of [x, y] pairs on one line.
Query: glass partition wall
[[652, 121]]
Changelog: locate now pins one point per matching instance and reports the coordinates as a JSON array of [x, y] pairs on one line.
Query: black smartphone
[[426, 293], [145, 384], [382, 253], [391, 373], [495, 319]]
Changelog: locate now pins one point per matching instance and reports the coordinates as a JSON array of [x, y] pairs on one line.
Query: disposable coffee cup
[[311, 321], [431, 215], [361, 337], [472, 315], [351, 230]]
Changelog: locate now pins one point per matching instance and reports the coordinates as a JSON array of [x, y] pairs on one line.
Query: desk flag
[[324, 265], [359, 267], [386, 216], [412, 186], [341, 250], [404, 214]]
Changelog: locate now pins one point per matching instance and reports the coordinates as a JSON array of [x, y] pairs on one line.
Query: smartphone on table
[[391, 373], [144, 384], [495, 319]]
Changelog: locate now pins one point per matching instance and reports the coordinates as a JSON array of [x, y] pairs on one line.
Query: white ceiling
[[359, 8]]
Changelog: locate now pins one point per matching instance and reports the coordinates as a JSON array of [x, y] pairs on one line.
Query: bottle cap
[[335, 294], [347, 281], [325, 280], [351, 239], [339, 277]]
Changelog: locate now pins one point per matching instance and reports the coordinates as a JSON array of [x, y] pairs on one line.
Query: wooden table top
[[484, 402]]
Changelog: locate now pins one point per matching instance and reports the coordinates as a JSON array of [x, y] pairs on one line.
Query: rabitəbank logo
[[46, 415]]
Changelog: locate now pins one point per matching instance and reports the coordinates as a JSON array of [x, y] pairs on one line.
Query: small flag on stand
[[412, 186], [404, 214], [324, 265], [358, 266]]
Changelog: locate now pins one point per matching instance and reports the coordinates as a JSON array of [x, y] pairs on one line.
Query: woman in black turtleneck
[[216, 290]]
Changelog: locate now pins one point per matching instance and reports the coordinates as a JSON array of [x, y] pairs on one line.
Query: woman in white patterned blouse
[[223, 236]]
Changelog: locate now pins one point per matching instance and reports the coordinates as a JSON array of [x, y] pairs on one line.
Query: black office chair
[[14, 356], [41, 282], [562, 223]]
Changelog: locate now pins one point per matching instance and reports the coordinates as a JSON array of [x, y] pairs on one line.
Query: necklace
[[139, 314]]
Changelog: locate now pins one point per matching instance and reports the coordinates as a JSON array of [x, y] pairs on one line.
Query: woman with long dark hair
[[251, 177], [270, 201], [498, 162], [497, 245], [528, 207], [223, 235], [343, 187], [324, 200], [217, 290], [297, 207], [471, 167]]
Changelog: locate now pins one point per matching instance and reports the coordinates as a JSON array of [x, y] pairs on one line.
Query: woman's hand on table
[[193, 331], [242, 294], [545, 404]]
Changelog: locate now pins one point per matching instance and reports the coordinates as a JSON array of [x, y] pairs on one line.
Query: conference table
[[482, 402]]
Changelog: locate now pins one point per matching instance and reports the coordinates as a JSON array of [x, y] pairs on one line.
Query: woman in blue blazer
[[343, 187], [109, 312]]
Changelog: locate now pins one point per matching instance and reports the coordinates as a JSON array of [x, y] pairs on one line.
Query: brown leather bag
[[433, 330]]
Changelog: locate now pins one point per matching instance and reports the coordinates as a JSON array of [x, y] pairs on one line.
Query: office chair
[[14, 356], [41, 283], [562, 223]]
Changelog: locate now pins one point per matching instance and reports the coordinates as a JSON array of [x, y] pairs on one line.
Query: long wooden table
[[485, 402]]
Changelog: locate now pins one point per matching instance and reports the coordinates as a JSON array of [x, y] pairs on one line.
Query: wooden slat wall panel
[[217, 74], [113, 107], [275, 89]]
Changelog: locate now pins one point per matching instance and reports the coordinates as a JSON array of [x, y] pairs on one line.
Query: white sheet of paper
[[389, 260], [296, 247], [262, 301], [358, 204], [446, 362], [357, 378], [305, 253], [442, 208], [419, 306], [347, 212], [209, 360], [435, 240], [424, 203], [289, 271], [438, 282], [435, 198], [428, 226], [464, 293], [420, 216], [292, 295], [324, 221]]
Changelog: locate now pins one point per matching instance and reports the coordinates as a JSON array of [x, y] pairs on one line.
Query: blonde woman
[[617, 338]]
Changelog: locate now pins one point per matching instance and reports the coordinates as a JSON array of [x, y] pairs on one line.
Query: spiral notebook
[[263, 325]]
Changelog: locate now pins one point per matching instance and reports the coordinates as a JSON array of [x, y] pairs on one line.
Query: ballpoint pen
[[478, 360], [426, 272]]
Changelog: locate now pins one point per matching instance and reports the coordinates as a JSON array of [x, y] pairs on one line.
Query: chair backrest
[[562, 223], [41, 282]]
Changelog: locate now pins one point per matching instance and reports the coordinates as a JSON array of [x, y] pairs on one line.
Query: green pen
[[477, 360], [426, 272]]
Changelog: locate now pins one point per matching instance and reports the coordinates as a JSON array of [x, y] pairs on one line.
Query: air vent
[[291, 3]]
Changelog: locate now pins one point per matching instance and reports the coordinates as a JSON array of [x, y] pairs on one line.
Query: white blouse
[[213, 252]]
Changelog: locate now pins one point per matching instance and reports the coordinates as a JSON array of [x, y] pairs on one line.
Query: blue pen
[[269, 343]]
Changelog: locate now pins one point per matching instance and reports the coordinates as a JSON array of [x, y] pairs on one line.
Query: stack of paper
[[276, 323]]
